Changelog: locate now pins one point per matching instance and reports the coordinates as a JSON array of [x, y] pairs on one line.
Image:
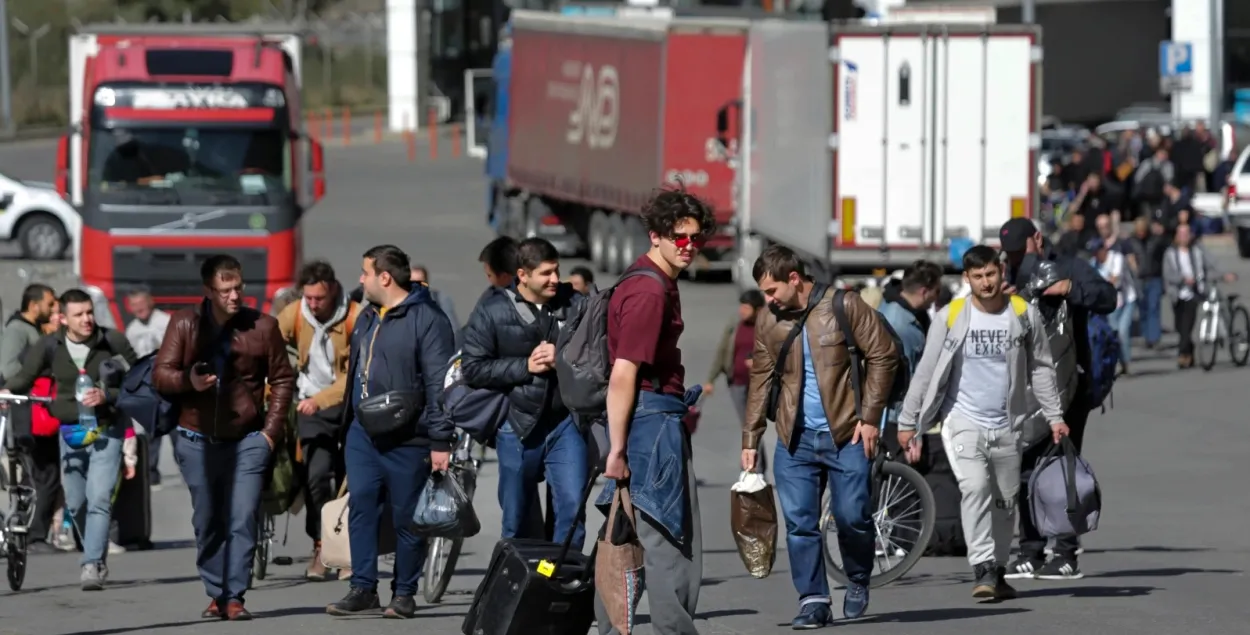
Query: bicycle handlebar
[[10, 397]]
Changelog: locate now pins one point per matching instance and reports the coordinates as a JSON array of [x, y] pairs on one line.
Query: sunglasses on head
[[692, 242]]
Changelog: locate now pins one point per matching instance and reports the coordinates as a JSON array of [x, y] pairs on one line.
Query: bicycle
[[17, 481], [893, 485], [1222, 320], [266, 530], [442, 553]]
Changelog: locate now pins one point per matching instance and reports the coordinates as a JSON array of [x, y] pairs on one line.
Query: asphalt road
[[1169, 556]]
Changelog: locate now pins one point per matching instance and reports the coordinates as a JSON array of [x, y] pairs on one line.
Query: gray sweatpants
[[986, 462], [673, 573]]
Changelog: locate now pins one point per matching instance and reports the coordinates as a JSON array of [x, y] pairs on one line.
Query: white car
[[44, 225]]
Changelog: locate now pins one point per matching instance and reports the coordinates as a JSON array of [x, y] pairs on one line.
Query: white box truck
[[868, 147]]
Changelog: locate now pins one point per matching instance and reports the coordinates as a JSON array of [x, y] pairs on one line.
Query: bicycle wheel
[[1239, 336], [440, 565], [264, 533], [1208, 340], [16, 555], [904, 513]]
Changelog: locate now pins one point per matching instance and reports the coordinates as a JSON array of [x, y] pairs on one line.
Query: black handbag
[[385, 414]]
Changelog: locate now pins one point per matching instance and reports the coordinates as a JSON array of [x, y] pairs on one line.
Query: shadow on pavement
[[136, 629], [711, 615], [1149, 549], [1159, 573], [119, 584], [1089, 592], [941, 615]]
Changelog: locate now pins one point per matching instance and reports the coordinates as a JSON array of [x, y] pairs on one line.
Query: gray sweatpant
[[673, 573], [986, 462]]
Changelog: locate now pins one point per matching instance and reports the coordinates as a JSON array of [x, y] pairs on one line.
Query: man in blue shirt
[[822, 437]]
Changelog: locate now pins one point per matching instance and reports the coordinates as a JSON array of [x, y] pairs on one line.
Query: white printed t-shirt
[[979, 384]]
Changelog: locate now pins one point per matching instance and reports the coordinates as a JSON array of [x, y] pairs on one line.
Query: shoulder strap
[[953, 310], [633, 273], [774, 393], [857, 366]]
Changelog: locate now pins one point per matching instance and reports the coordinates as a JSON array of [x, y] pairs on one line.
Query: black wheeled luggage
[[132, 510], [535, 587]]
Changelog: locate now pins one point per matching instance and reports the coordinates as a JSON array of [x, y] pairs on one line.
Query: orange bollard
[[347, 126], [411, 139], [328, 117], [455, 140], [433, 126], [310, 124], [377, 127]]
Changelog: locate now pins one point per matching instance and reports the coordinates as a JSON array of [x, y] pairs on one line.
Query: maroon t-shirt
[[644, 324], [744, 345]]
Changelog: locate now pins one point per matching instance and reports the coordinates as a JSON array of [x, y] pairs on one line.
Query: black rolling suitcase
[[535, 587], [948, 531], [132, 510]]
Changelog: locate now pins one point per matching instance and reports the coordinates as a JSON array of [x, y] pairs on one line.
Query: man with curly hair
[[646, 405]]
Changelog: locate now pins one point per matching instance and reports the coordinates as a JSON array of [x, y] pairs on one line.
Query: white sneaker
[[64, 541], [115, 548], [94, 576]]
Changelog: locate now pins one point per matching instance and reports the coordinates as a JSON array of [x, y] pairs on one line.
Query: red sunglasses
[[690, 242]]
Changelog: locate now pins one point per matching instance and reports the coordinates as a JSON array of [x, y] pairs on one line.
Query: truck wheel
[[634, 241], [613, 244], [597, 234], [42, 237], [535, 212]]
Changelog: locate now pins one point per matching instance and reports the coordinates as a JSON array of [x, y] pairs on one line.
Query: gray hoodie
[[1029, 367], [18, 336]]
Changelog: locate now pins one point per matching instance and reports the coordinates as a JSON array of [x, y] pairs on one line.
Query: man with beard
[[906, 309], [509, 346], [1086, 293], [984, 355]]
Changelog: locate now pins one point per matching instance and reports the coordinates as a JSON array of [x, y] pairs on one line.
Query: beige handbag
[[336, 546]]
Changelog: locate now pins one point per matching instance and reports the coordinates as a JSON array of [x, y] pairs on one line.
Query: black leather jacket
[[501, 333]]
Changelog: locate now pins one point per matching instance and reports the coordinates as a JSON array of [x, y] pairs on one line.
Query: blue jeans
[[558, 455], [88, 476], [225, 479], [1121, 320], [378, 476], [1150, 306], [801, 479]]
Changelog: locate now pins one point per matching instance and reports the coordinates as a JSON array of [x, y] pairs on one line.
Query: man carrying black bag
[[397, 433]]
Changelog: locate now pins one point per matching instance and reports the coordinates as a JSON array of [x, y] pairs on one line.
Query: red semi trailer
[[602, 111]]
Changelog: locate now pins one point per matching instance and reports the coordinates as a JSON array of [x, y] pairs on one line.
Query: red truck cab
[[186, 142]]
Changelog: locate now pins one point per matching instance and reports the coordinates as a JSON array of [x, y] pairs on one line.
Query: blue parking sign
[[1176, 66]]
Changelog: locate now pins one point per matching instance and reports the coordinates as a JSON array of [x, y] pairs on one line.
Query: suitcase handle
[[581, 513]]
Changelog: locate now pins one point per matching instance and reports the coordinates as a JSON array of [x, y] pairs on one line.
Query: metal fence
[[344, 53]]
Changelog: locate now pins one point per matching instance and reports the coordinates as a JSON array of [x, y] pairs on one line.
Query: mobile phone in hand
[[201, 368]]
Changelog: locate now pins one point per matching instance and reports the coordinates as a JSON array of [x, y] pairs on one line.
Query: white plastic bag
[[749, 483]]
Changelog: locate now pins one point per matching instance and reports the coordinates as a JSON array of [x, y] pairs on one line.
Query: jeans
[[1149, 306], [88, 476], [394, 475], [225, 479], [986, 463], [1121, 320], [558, 455], [801, 477]]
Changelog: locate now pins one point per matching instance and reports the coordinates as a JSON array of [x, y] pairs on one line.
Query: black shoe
[[1002, 590], [986, 581], [1060, 568], [355, 602], [812, 616], [402, 607], [1024, 568]]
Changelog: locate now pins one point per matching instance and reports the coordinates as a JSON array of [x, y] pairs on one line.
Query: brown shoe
[[236, 613], [213, 612], [316, 571], [345, 573], [1185, 361]]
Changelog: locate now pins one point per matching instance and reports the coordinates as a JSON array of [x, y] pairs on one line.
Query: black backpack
[[1150, 189], [902, 377], [582, 364]]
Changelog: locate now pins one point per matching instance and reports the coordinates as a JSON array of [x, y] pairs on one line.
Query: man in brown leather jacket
[[213, 364], [820, 436]]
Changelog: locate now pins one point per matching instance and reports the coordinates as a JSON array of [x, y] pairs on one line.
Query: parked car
[[32, 214]]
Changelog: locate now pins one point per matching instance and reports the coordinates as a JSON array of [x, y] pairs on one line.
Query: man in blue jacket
[[401, 344], [906, 308]]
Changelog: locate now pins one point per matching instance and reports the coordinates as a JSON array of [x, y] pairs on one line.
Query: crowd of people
[[357, 377]]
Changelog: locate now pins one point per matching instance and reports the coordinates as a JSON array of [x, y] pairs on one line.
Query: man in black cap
[[1086, 292]]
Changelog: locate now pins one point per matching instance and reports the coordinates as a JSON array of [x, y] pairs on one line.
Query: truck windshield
[[172, 165]]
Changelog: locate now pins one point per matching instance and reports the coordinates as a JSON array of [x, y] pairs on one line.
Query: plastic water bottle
[[86, 414]]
